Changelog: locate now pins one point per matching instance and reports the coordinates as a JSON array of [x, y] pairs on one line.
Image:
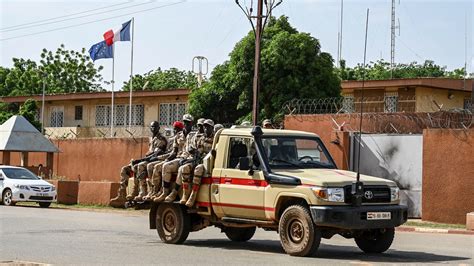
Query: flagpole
[[131, 77], [113, 82]]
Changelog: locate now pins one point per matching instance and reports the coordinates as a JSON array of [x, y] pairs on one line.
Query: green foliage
[[28, 110], [162, 79], [292, 66], [381, 70], [63, 71]]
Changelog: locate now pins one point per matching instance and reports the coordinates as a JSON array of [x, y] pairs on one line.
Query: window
[[57, 116], [468, 104], [170, 112], [121, 115], [242, 147], [78, 112], [348, 104], [391, 102]]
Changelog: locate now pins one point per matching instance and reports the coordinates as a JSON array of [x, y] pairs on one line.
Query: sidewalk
[[419, 226]]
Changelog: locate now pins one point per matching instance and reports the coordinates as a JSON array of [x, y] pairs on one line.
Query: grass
[[85, 207], [425, 224]]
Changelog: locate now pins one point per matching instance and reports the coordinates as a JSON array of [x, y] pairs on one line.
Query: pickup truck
[[284, 181]]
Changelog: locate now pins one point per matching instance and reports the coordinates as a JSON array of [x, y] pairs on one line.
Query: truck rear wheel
[[238, 234], [172, 223], [298, 234], [375, 241]]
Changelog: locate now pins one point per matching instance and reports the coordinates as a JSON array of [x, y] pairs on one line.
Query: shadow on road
[[326, 251]]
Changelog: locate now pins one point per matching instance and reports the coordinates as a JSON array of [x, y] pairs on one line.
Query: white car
[[19, 184]]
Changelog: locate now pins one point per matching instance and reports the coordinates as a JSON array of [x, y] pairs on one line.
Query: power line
[[94, 21], [65, 16], [84, 16]]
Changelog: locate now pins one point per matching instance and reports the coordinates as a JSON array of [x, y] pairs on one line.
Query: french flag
[[121, 33]]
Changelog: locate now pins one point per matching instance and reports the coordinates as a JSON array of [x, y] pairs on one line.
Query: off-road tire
[[238, 234], [375, 241], [7, 198], [299, 236], [44, 204], [173, 223]]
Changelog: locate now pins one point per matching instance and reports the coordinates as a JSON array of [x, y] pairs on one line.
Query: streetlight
[[258, 30]]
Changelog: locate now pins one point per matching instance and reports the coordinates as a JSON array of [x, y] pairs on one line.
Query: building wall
[[425, 97], [448, 175]]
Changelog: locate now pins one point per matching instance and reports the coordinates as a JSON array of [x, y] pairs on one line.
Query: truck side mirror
[[244, 163]]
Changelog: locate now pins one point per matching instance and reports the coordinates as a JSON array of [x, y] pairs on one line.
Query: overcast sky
[[171, 33]]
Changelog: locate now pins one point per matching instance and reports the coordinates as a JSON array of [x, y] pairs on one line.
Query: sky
[[170, 33]]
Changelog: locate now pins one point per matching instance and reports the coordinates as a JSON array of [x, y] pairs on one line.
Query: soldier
[[154, 168], [204, 146], [156, 145], [182, 148], [267, 123], [217, 127]]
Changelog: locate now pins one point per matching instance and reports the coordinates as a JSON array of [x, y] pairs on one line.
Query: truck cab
[[286, 181]]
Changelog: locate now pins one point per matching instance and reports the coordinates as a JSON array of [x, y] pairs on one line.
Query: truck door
[[241, 194]]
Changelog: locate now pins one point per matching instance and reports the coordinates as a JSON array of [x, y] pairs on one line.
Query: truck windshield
[[296, 152]]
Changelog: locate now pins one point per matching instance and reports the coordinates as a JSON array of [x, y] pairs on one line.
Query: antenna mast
[[392, 39]]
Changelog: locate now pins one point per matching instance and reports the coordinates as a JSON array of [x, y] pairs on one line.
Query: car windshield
[[296, 152], [19, 173]]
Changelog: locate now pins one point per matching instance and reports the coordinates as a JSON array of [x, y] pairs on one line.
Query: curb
[[434, 230]]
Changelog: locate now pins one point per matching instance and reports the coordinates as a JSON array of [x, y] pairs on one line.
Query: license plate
[[42, 194], [379, 216]]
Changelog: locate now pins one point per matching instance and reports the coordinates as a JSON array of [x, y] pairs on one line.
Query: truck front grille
[[380, 194]]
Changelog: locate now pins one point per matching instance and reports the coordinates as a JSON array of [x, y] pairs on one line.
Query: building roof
[[437, 83], [96, 95], [17, 134]]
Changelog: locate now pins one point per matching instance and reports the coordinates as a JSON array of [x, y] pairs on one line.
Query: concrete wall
[[441, 97], [448, 175], [90, 159], [397, 158]]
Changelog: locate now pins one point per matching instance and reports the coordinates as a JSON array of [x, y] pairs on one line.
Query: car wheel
[[298, 234], [375, 241], [7, 198], [44, 204], [173, 223], [238, 234]]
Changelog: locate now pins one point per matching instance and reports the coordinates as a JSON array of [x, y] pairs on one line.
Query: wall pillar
[[6, 158], [24, 159]]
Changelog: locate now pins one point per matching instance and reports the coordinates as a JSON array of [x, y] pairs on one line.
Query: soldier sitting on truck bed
[[203, 146], [155, 146], [182, 148], [154, 168]]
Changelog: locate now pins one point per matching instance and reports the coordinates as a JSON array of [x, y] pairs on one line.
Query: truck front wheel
[[238, 234], [375, 241], [172, 223], [298, 234]]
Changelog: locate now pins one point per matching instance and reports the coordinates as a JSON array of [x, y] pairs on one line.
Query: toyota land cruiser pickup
[[285, 181]]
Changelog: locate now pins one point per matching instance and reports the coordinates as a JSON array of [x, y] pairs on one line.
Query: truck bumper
[[349, 217]]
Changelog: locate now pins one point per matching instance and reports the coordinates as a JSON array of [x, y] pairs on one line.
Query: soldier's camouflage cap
[[218, 126], [209, 122], [188, 117], [201, 121]]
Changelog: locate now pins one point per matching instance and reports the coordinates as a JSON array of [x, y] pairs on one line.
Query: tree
[[380, 70], [28, 110], [292, 66], [64, 71], [162, 79]]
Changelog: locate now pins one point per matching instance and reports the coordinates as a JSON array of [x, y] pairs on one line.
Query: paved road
[[56, 236]]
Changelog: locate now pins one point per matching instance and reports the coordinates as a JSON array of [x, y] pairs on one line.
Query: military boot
[[160, 191], [172, 196], [194, 193], [119, 201], [134, 192], [163, 195], [186, 192], [152, 194], [143, 191]]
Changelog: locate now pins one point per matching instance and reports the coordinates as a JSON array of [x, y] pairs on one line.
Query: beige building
[[408, 95], [78, 115]]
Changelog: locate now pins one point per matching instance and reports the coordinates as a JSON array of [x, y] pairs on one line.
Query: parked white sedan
[[19, 184]]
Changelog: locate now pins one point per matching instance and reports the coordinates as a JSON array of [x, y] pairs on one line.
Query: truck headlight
[[329, 194], [22, 187], [394, 193]]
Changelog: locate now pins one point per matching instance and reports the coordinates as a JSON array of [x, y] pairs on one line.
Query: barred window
[[468, 104], [348, 104], [102, 115], [391, 102], [170, 112], [57, 116], [121, 115], [78, 112], [138, 115]]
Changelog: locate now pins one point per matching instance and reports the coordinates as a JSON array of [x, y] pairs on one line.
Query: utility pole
[[200, 73], [42, 102], [258, 31]]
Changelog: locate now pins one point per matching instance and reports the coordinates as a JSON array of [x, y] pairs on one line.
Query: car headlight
[[22, 187], [329, 194], [53, 188], [394, 193]]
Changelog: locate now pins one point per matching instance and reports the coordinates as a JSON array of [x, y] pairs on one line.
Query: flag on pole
[[121, 33], [101, 50]]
